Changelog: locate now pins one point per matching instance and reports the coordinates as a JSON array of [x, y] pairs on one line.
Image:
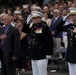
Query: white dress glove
[[48, 56], [65, 18]]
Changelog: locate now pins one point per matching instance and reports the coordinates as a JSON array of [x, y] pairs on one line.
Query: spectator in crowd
[[24, 65], [18, 8], [69, 4], [73, 5], [9, 11], [47, 19], [45, 9], [57, 19], [16, 14], [4, 11], [10, 46], [32, 8], [64, 34], [61, 9], [13, 23], [74, 2], [56, 6], [1, 20], [65, 6], [51, 9], [21, 61], [25, 11]]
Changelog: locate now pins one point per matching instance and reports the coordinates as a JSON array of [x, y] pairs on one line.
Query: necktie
[[53, 27], [2, 42], [54, 21]]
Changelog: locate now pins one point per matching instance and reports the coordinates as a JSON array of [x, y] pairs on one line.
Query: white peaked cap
[[36, 14], [25, 6], [72, 10], [17, 12]]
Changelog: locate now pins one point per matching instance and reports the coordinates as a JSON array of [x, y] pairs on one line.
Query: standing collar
[[56, 17]]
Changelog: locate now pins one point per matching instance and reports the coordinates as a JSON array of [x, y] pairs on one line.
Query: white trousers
[[65, 40], [39, 67], [72, 68]]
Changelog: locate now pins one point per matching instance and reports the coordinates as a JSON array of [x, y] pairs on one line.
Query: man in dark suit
[[10, 46], [57, 19]]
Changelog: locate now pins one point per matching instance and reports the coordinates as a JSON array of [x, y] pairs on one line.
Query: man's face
[[60, 7], [56, 14], [16, 15], [6, 20], [64, 12], [45, 9], [69, 4], [65, 5], [74, 18], [36, 20]]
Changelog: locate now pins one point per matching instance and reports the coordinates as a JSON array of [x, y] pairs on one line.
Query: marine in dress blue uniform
[[41, 44], [71, 49]]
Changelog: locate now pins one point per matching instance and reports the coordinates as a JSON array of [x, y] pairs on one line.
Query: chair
[[61, 50], [54, 62], [60, 62]]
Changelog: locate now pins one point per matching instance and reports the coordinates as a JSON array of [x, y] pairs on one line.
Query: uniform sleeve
[[63, 28], [60, 26], [48, 40], [26, 28]]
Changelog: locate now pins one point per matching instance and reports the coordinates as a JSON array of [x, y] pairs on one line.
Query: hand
[[48, 56], [14, 58], [53, 32], [65, 18], [3, 36]]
